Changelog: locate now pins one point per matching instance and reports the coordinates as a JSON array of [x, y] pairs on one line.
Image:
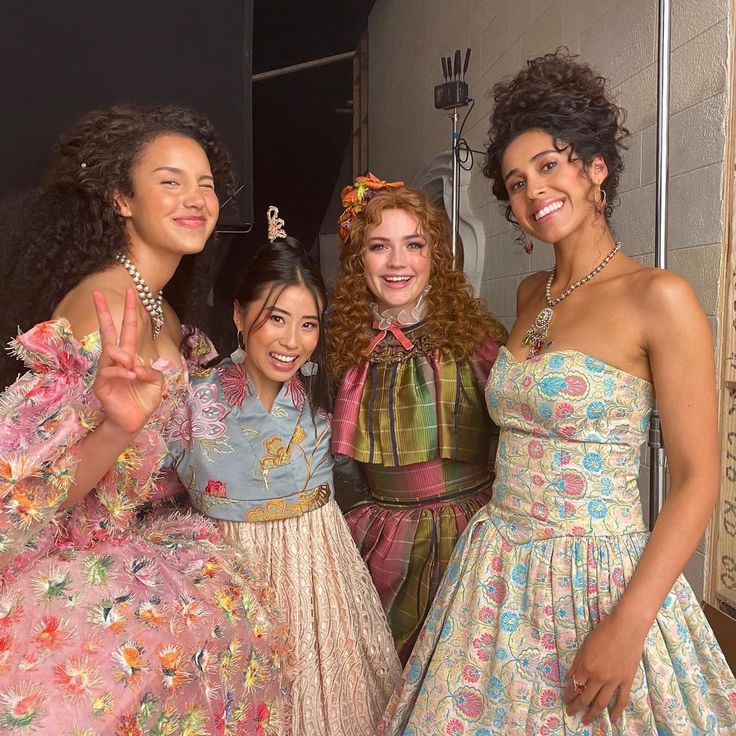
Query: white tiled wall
[[618, 38]]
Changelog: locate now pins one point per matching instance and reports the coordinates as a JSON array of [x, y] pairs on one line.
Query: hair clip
[[275, 225]]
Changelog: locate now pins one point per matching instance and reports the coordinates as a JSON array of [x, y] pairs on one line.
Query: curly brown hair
[[73, 228], [558, 94], [456, 321]]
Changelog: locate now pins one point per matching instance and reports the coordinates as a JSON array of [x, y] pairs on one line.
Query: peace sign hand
[[128, 390]]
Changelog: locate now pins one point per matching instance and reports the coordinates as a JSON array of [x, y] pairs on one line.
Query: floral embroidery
[[234, 384], [295, 390], [276, 454], [216, 488], [103, 606]]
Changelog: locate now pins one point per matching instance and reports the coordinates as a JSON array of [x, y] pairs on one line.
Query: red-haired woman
[[412, 349]]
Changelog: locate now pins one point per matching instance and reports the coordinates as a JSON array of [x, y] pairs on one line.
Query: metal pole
[[301, 67], [455, 186], [657, 458]]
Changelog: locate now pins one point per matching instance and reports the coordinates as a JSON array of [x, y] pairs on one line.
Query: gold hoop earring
[[603, 198], [528, 245]]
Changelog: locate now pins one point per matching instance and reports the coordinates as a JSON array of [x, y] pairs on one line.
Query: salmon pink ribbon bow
[[395, 329]]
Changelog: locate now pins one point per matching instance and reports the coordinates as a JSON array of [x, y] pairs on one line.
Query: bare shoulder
[[662, 293], [530, 288], [77, 305], [668, 308]]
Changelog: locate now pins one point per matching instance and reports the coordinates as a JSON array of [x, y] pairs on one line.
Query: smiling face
[[396, 260], [281, 331], [173, 207], [550, 195]]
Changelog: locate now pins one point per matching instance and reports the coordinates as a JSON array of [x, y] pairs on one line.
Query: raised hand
[[128, 390]]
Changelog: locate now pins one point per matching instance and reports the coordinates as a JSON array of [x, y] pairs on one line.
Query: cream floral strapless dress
[[545, 561]]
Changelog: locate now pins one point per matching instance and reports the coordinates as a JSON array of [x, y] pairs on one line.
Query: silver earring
[[238, 355], [309, 368]]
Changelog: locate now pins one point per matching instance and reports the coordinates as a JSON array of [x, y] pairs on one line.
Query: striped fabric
[[417, 423], [406, 532]]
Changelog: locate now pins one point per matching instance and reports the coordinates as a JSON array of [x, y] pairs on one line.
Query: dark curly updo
[[569, 100], [73, 228]]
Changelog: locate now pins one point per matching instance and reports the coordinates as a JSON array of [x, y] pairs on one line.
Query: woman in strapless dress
[[559, 613]]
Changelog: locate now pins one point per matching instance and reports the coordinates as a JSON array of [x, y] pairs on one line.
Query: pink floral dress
[[114, 620]]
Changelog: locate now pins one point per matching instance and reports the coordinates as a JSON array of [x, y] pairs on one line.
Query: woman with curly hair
[[116, 618], [412, 350], [559, 612]]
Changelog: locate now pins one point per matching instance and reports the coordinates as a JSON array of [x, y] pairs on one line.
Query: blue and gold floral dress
[[265, 476]]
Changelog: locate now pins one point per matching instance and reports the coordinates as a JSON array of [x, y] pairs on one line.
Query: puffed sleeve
[[482, 361], [485, 354], [197, 351], [43, 417]]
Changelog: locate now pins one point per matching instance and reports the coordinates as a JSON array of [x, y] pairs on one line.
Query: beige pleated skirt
[[345, 665]]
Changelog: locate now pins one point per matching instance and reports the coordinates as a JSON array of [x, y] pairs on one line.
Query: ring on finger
[[579, 686]]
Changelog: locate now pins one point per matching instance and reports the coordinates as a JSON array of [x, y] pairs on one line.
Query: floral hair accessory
[[275, 225], [354, 199]]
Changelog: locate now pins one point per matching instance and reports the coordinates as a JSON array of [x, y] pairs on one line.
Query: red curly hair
[[456, 321]]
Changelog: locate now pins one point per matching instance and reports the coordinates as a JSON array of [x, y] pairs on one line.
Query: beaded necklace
[[154, 305], [536, 336]]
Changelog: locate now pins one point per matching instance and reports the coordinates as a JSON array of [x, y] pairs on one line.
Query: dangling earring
[[309, 368], [238, 356], [522, 239], [602, 199]]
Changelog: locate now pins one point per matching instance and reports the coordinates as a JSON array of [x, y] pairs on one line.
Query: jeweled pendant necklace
[[536, 336], [154, 305]]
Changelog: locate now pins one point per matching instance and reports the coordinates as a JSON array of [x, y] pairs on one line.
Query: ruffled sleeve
[[198, 351], [484, 357], [43, 417]]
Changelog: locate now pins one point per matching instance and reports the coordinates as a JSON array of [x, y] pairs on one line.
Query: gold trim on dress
[[278, 509]]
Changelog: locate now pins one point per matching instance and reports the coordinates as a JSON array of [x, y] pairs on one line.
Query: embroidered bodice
[[242, 462]]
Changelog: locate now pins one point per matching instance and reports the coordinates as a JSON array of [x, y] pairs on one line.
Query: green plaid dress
[[416, 422]]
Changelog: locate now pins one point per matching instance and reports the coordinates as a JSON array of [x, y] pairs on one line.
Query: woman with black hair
[[559, 613], [252, 447], [115, 618]]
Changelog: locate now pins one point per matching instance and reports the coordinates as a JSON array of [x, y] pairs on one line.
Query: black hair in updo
[[275, 267], [557, 93]]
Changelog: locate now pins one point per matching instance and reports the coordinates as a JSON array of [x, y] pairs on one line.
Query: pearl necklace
[[153, 305], [536, 336]]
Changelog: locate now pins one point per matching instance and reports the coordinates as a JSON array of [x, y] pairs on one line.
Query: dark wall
[[60, 59]]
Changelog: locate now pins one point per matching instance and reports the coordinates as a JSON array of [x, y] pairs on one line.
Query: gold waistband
[[287, 508]]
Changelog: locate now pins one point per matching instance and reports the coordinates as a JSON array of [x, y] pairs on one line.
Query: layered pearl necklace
[[536, 336], [154, 305]]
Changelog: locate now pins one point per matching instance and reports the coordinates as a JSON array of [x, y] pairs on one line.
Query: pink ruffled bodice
[[43, 418]]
